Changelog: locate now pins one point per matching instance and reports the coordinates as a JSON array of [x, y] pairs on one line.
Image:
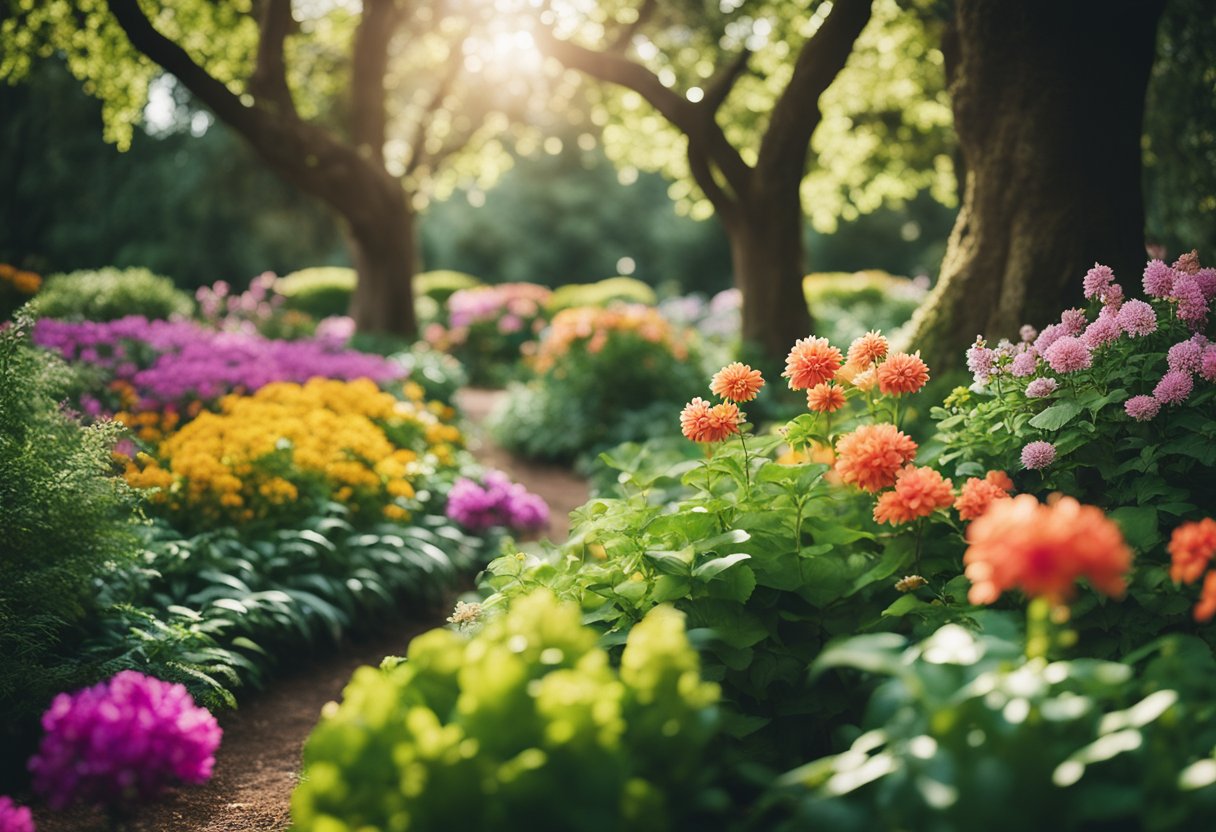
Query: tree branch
[[796, 113], [717, 90], [269, 80], [621, 42], [418, 154], [369, 60]]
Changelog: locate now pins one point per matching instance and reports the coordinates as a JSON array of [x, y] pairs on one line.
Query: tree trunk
[[766, 255], [384, 249], [1048, 104]]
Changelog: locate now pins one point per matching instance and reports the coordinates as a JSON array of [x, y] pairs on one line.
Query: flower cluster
[[716, 318], [829, 377], [591, 327], [702, 422], [1191, 548], [1043, 549], [14, 818], [18, 280], [259, 309], [123, 741], [496, 501]]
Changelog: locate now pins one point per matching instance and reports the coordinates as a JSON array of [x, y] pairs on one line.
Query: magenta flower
[[1206, 279], [1192, 305], [1142, 408], [122, 741], [14, 818], [1097, 280], [1038, 455], [1137, 318], [1174, 387], [1040, 387], [496, 501], [1158, 279], [1185, 356], [1068, 354]]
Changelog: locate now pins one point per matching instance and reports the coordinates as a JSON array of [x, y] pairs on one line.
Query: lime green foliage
[[109, 293], [440, 284], [525, 723], [321, 291], [602, 293], [63, 524], [968, 734], [846, 305]]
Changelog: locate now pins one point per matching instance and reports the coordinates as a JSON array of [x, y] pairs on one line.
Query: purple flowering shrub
[[489, 327], [14, 818], [260, 309], [122, 742], [496, 502]]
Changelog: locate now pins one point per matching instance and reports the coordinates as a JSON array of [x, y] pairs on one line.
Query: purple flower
[[1192, 305], [1185, 356], [1041, 387], [122, 741], [14, 818], [496, 501], [1068, 354], [1102, 331], [1142, 408], [1137, 318], [1038, 454], [1206, 279], [1158, 279], [1024, 363], [1174, 387], [1097, 280]]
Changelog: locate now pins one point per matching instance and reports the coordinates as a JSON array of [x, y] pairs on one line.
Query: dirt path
[[259, 760]]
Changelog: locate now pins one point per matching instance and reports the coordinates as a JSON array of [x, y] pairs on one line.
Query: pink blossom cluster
[[496, 501], [223, 309], [14, 818], [121, 742], [510, 305]]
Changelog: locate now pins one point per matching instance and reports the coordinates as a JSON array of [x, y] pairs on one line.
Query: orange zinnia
[[1000, 479], [736, 382], [825, 398], [902, 373], [702, 423], [867, 349], [872, 455], [812, 361], [976, 496], [1191, 548], [1043, 550], [918, 493], [1206, 608]]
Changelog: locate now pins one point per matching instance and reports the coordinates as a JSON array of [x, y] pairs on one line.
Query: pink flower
[[1192, 305], [1040, 387], [1142, 408], [1103, 331], [1158, 279], [1174, 387], [1052, 333], [1073, 321], [1206, 278], [1207, 364], [1137, 319], [1112, 297], [1038, 454], [1184, 356], [980, 360], [14, 818], [1028, 333], [1068, 354], [1096, 280], [1024, 364]]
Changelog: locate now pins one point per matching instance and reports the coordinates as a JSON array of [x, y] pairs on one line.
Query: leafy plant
[[322, 292], [601, 293], [525, 720], [108, 294]]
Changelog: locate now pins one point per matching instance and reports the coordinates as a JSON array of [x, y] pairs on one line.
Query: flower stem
[[747, 471]]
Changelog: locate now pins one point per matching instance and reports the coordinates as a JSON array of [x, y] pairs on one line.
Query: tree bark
[[1048, 100], [385, 253]]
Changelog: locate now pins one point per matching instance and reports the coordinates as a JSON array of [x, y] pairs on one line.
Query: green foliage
[[439, 374], [322, 291], [846, 305], [968, 734], [602, 293], [440, 284], [64, 524], [109, 293], [526, 722]]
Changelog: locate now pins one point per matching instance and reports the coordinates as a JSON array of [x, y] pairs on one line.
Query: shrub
[[604, 376], [525, 720], [489, 326], [108, 294], [64, 523], [602, 293], [259, 309], [439, 285], [845, 306], [322, 291]]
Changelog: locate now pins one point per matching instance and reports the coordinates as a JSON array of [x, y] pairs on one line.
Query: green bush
[[601, 293], [526, 724], [322, 291], [64, 523], [845, 305], [441, 283], [109, 293]]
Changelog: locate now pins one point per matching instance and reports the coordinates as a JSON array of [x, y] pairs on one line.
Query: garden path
[[259, 760]]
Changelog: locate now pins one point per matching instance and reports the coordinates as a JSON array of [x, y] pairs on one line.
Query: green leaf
[[1057, 416], [1139, 525], [708, 570]]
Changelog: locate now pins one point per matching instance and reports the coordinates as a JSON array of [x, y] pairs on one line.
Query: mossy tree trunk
[[1048, 100]]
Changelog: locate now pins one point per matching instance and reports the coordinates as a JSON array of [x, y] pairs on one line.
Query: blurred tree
[[726, 98], [191, 202], [367, 107], [1048, 100]]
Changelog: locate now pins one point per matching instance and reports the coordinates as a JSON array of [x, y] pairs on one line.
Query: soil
[[258, 761]]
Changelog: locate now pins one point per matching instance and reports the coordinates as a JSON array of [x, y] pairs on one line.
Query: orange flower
[[702, 423], [1043, 550], [902, 373], [736, 382], [812, 361], [825, 398], [976, 496], [1191, 548], [865, 380], [867, 349], [872, 455], [918, 493], [1000, 479], [1206, 608]]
